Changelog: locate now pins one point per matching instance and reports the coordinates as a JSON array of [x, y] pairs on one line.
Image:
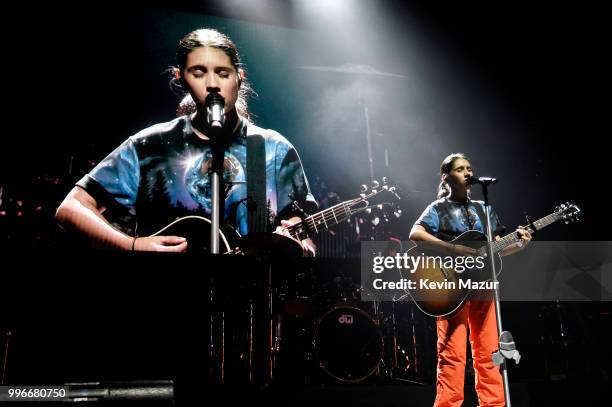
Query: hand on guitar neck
[[524, 234], [308, 247]]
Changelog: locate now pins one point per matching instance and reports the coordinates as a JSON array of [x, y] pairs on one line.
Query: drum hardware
[[348, 344], [403, 347], [304, 328], [6, 335]]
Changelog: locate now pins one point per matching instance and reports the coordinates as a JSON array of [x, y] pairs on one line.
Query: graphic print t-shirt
[[447, 219], [161, 174]]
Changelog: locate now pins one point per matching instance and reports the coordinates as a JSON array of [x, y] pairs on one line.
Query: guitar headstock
[[381, 196], [375, 202], [384, 191], [567, 212]]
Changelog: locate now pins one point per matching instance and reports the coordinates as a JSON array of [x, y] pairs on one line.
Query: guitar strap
[[483, 217], [257, 209]]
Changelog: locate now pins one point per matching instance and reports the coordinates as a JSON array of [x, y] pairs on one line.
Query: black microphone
[[215, 110], [481, 180]]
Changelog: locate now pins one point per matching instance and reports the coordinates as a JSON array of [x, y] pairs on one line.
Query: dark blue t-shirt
[[161, 174], [447, 219]]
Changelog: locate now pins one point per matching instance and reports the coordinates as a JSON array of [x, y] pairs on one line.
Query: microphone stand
[[216, 120], [499, 357], [216, 181], [217, 148]]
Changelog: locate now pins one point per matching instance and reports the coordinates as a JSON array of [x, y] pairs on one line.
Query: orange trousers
[[479, 317]]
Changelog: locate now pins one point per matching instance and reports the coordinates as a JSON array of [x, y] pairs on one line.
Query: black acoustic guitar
[[440, 291], [196, 229]]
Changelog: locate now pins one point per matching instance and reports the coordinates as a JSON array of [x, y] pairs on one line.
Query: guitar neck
[[329, 217], [513, 238], [325, 219]]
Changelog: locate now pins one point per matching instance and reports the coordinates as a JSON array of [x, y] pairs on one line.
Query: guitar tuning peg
[[385, 180], [298, 208], [375, 184], [364, 188]]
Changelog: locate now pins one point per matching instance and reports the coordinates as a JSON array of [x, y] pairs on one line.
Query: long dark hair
[[445, 168], [208, 37]]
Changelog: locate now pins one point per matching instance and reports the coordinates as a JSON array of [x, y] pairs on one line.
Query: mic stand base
[[507, 350]]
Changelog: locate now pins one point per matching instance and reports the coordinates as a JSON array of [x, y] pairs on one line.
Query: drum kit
[[311, 328], [348, 344]]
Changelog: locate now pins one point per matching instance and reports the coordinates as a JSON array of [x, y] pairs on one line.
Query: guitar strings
[[328, 215]]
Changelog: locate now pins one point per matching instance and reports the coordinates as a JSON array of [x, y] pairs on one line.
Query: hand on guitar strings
[[308, 247], [160, 244], [460, 250]]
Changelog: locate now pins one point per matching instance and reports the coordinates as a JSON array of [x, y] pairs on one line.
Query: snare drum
[[348, 344]]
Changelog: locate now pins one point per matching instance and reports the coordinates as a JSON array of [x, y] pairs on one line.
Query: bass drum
[[348, 344]]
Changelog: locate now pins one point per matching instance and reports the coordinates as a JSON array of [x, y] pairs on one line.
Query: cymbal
[[350, 68], [269, 244]]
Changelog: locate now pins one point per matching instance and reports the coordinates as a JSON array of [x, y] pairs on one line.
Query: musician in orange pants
[[477, 317], [444, 219]]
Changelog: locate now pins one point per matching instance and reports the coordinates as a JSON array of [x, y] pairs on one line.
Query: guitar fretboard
[[513, 238], [325, 219], [329, 217]]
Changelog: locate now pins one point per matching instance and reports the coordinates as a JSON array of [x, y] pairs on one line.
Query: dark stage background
[[521, 87]]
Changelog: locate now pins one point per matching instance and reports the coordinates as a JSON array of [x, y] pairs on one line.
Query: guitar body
[[446, 295], [196, 229]]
